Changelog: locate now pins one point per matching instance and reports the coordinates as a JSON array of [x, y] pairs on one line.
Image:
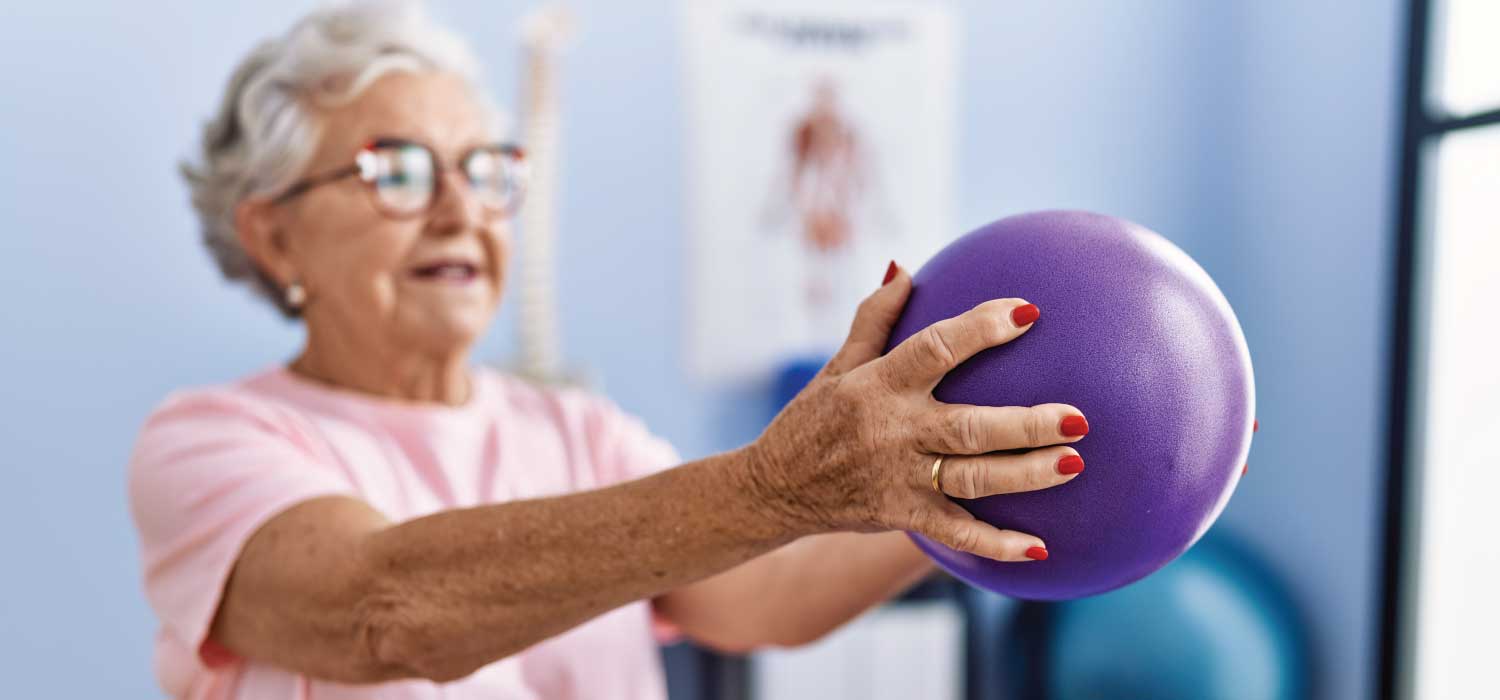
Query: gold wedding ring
[[937, 475]]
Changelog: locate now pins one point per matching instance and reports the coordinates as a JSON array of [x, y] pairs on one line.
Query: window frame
[[1423, 126]]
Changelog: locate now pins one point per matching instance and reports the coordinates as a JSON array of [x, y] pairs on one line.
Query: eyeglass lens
[[404, 176]]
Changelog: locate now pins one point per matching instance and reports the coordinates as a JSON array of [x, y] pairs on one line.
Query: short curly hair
[[267, 128]]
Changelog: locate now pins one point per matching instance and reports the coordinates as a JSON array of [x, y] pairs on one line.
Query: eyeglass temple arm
[[302, 187]]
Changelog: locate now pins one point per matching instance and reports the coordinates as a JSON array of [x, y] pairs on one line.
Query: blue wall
[[1298, 192], [1259, 136]]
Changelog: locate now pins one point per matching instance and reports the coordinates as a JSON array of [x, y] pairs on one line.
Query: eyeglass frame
[[357, 168]]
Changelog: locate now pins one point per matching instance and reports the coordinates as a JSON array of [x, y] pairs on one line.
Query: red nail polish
[[1255, 427], [1244, 469], [890, 274], [1073, 426], [1025, 315], [1071, 464], [1037, 553]]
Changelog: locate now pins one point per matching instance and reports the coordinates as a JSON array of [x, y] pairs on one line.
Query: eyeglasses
[[404, 177]]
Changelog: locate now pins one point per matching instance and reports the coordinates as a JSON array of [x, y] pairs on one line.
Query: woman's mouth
[[449, 271]]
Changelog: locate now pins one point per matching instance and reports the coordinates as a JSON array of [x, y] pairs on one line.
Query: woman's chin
[[449, 330]]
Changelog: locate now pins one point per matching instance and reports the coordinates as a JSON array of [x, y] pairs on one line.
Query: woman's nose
[[457, 208]]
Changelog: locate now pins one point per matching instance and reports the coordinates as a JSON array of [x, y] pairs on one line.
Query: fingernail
[[1071, 464], [1073, 426], [1255, 427], [1244, 469], [890, 274], [1037, 553], [1025, 314]]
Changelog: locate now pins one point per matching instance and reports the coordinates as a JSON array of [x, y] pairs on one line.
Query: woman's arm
[[332, 589], [798, 593]]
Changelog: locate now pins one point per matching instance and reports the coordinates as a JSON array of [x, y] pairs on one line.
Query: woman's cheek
[[384, 290]]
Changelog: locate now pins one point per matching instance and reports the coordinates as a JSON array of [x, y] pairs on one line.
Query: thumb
[[873, 321]]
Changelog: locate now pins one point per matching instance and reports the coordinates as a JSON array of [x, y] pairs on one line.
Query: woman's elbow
[[801, 637], [392, 642], [399, 635], [750, 640]]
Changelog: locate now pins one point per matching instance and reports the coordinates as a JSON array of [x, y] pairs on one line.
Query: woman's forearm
[[798, 593], [456, 590], [833, 578]]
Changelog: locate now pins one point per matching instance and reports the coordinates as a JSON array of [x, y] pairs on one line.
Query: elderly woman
[[381, 518]]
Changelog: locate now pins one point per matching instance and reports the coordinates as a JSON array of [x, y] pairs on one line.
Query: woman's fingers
[[954, 528], [920, 361], [873, 321], [953, 429], [988, 475]]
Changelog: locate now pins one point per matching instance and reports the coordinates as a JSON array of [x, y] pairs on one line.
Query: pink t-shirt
[[214, 464]]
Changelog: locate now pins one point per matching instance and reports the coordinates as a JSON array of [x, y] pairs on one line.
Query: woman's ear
[[260, 234]]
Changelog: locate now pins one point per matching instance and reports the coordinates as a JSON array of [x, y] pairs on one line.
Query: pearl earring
[[296, 295]]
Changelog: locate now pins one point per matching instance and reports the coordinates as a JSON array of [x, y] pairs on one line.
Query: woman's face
[[428, 284]]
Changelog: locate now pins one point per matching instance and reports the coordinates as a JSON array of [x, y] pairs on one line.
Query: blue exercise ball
[[1213, 625]]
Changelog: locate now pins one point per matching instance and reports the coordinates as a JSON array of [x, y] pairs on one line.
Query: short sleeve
[[623, 448], [210, 468]]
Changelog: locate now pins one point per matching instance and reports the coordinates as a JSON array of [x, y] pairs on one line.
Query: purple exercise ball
[[1134, 334]]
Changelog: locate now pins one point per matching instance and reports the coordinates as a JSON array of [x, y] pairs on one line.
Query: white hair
[[267, 126]]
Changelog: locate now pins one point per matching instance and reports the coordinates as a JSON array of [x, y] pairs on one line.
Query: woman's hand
[[855, 450]]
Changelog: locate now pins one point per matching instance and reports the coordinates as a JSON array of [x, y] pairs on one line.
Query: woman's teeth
[[453, 272]]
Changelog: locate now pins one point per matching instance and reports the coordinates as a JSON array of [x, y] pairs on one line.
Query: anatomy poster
[[820, 145]]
